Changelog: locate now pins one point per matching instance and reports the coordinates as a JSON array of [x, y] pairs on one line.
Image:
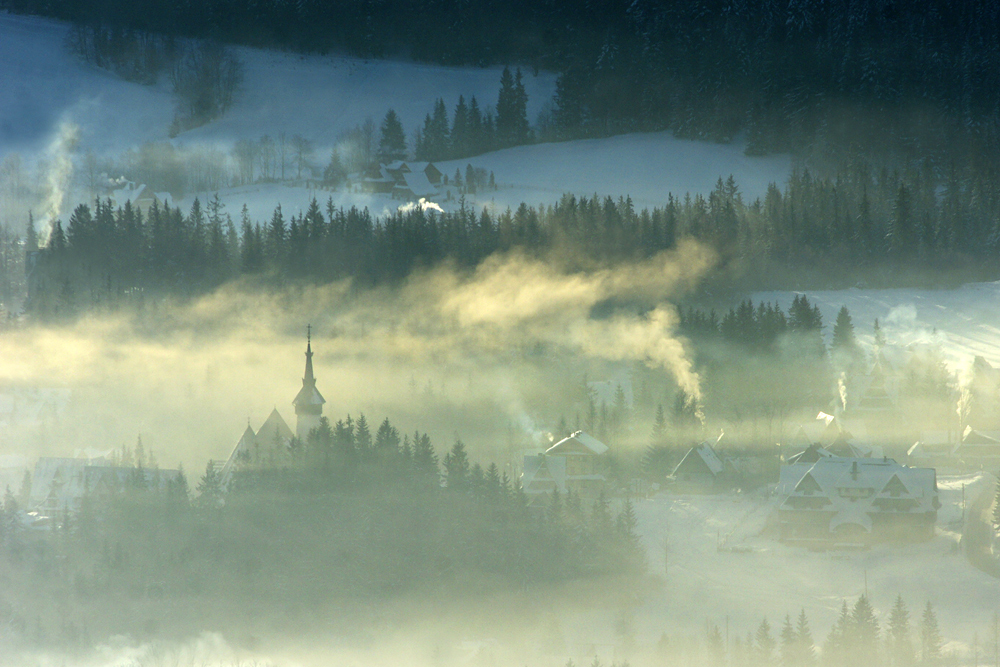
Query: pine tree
[[764, 643], [456, 467], [838, 642], [392, 140], [460, 130], [30, 235], [210, 487], [659, 425], [996, 509], [803, 637], [864, 631], [900, 644], [789, 644], [930, 637], [843, 331]]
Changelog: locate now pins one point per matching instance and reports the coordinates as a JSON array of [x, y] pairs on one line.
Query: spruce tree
[[843, 331], [803, 637], [456, 467], [900, 644], [864, 631], [392, 139], [930, 637], [789, 644], [764, 642], [460, 144]]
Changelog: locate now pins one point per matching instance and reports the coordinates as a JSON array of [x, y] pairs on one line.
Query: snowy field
[[964, 322], [319, 97], [752, 576]]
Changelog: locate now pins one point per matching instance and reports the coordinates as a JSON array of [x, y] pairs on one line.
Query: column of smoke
[[58, 175], [514, 299]]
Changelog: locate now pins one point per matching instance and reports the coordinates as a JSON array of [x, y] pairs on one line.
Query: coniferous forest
[[859, 227]]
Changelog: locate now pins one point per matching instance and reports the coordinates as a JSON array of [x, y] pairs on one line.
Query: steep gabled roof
[[579, 443], [700, 460], [274, 430]]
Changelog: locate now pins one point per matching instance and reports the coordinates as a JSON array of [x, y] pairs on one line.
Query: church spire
[[309, 379], [309, 402]]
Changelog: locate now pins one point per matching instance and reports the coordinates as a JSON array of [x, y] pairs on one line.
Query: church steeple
[[309, 402]]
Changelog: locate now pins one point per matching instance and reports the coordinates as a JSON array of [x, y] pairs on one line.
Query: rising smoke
[[58, 175]]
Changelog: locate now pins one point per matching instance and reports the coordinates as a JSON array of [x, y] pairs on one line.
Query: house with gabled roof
[[856, 500], [576, 463], [700, 471]]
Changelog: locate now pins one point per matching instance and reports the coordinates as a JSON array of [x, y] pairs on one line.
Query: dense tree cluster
[[345, 515], [854, 224]]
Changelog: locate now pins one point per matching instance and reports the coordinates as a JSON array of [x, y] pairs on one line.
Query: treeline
[[856, 638], [345, 516], [887, 228]]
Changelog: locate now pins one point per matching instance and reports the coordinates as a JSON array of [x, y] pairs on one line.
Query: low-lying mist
[[481, 355]]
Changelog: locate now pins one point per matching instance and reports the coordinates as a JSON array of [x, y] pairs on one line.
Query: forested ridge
[[859, 226]]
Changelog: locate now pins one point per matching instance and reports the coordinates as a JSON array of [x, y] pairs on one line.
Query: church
[[271, 445]]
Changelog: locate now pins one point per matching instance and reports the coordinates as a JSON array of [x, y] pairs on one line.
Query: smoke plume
[[58, 174]]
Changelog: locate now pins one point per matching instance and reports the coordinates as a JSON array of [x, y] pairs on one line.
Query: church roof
[[274, 429]]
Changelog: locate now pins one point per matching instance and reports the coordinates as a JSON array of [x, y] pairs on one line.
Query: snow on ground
[[319, 97], [644, 166], [753, 576], [964, 321], [316, 96]]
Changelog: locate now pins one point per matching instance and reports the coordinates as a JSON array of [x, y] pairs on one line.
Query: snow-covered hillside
[[315, 96], [319, 97], [964, 321]]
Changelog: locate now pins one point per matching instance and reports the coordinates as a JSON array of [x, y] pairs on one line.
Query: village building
[[700, 471], [139, 197], [403, 180], [974, 450], [574, 464], [855, 500], [270, 446], [60, 484]]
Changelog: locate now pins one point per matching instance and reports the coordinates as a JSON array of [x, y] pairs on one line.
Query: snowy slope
[[319, 97], [964, 321], [315, 96]]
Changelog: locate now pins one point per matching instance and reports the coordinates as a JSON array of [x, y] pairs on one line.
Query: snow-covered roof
[[418, 184], [578, 443], [544, 474], [704, 454], [854, 488], [274, 430]]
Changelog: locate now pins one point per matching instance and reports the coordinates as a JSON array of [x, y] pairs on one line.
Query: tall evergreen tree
[[930, 637], [900, 646], [392, 138]]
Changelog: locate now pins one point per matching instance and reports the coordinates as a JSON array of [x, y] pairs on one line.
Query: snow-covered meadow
[[45, 88]]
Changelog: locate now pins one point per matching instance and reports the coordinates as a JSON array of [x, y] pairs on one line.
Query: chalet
[[575, 463], [974, 450], [700, 471], [403, 180], [856, 500], [139, 196]]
